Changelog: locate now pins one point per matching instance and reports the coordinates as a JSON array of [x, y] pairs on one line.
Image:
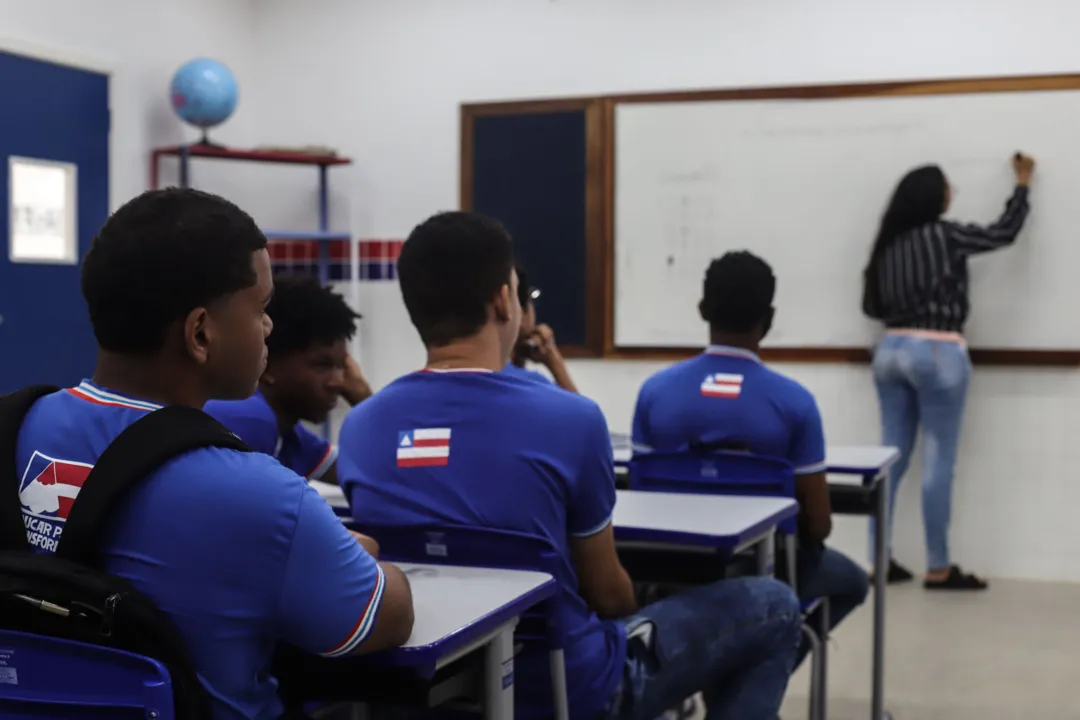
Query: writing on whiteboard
[[803, 185]]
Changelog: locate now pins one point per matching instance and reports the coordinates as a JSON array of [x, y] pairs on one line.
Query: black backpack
[[83, 603]]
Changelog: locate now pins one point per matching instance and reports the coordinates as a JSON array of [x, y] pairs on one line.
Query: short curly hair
[[306, 314], [738, 293], [160, 256]]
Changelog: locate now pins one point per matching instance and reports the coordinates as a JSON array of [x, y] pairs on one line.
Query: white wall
[[382, 80], [145, 41]]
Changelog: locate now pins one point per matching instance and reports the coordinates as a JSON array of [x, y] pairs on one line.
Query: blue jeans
[[923, 381], [824, 572], [733, 640]]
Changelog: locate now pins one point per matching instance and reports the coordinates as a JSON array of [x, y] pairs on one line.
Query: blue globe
[[204, 93]]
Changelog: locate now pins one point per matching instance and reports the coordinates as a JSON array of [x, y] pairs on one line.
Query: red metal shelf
[[267, 156]]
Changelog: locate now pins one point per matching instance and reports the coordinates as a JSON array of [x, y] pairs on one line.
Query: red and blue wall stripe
[[378, 258]]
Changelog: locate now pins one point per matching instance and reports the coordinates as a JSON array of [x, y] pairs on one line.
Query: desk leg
[[766, 554], [558, 684], [881, 552], [499, 675], [823, 628]]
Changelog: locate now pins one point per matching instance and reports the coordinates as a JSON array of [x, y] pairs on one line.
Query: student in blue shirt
[[460, 442], [308, 368], [727, 398], [237, 550], [536, 342]]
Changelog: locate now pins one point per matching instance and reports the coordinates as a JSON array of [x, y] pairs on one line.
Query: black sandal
[[897, 573], [956, 580]]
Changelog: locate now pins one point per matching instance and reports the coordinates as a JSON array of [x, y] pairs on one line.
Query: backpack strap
[[13, 408], [138, 451]]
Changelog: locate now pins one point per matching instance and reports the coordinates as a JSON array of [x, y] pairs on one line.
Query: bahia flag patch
[[429, 447], [722, 385]]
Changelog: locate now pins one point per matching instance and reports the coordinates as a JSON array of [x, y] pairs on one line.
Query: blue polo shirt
[[728, 395], [526, 374], [492, 450], [238, 551], [299, 449]]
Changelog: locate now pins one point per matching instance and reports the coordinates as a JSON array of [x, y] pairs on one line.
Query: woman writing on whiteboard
[[916, 283]]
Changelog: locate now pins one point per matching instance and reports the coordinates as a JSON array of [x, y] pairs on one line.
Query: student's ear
[[501, 304], [701, 310], [199, 334], [766, 323]]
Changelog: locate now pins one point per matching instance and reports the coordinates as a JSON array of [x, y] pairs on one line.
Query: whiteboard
[[803, 183]]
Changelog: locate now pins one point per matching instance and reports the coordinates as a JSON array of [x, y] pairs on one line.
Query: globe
[[204, 93]]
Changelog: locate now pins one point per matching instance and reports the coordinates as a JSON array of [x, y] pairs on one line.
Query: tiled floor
[[1012, 653]]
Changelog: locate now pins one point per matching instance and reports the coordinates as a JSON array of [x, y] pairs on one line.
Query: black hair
[[739, 292], [919, 199], [450, 268], [160, 256], [306, 314], [525, 290]]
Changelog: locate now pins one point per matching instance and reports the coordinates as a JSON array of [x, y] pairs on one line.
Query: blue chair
[[46, 677], [726, 472], [448, 544]]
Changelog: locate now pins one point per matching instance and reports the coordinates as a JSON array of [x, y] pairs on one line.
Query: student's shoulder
[[250, 503], [522, 399], [675, 373], [525, 373], [548, 403], [239, 464], [252, 419], [789, 390], [63, 418], [387, 399], [58, 404], [252, 408], [542, 399], [252, 480], [67, 402]]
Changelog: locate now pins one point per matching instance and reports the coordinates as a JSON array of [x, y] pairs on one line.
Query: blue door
[[54, 136]]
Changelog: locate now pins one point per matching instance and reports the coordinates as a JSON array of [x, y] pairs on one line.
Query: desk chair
[[439, 544], [725, 472], [46, 677]]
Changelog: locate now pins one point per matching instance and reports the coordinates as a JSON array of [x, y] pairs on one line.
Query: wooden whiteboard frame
[[823, 354]]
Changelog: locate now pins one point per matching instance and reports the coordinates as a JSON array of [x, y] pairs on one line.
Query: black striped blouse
[[923, 277]]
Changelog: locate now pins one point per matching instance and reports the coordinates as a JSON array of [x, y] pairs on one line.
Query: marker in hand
[[1023, 166]]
